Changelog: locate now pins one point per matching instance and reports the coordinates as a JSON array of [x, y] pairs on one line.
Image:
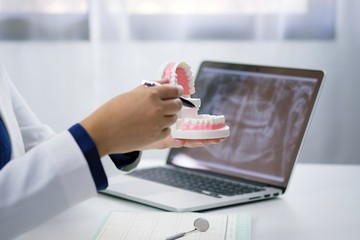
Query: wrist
[[96, 135]]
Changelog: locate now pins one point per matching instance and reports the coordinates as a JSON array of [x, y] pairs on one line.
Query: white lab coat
[[47, 172]]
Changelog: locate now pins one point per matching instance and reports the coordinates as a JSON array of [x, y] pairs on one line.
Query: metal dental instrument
[[200, 224], [184, 101]]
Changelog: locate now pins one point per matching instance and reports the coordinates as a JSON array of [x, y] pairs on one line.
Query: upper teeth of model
[[188, 118], [189, 76]]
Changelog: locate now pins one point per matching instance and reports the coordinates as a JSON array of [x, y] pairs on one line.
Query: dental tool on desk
[[200, 224]]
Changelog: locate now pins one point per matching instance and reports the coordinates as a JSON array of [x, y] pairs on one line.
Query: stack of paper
[[160, 225]]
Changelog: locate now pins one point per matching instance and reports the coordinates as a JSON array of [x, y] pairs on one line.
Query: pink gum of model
[[182, 78], [209, 126]]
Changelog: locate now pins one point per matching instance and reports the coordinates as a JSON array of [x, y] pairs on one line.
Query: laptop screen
[[267, 110]]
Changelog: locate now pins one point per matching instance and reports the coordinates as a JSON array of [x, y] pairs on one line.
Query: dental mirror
[[200, 224]]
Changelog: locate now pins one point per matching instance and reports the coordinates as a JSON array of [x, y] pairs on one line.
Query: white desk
[[322, 202]]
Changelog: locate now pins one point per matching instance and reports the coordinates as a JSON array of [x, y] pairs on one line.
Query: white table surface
[[322, 202]]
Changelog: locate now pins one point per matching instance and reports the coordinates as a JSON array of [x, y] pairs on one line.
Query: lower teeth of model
[[207, 122]]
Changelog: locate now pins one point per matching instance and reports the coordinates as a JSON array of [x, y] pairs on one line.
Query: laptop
[[268, 110]]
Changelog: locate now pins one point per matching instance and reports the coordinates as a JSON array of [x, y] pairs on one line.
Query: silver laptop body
[[268, 110]]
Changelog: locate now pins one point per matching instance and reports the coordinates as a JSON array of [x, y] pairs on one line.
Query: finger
[[168, 91], [177, 143], [165, 132], [214, 141], [195, 143], [168, 120], [164, 81], [171, 106], [201, 142]]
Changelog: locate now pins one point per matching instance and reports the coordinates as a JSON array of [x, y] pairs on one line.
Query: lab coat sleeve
[[48, 179], [91, 154], [32, 130], [35, 132]]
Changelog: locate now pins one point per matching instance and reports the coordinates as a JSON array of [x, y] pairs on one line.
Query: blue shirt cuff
[[91, 155]]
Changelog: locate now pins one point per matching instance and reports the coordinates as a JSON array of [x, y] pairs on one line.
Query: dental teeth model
[[191, 125]]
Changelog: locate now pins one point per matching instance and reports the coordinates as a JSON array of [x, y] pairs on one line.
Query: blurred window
[[167, 19], [231, 19], [44, 20]]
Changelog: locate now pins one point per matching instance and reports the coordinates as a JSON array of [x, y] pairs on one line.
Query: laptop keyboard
[[196, 182]]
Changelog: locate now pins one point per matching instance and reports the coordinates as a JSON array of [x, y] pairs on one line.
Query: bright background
[[68, 57]]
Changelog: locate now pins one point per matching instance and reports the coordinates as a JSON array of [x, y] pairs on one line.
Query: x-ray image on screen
[[267, 115]]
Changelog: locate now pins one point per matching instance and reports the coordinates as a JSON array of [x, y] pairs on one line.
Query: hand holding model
[[141, 119], [134, 120]]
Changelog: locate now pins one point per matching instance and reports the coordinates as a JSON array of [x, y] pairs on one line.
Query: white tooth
[[190, 82], [174, 77], [185, 66], [191, 89], [193, 121], [213, 119]]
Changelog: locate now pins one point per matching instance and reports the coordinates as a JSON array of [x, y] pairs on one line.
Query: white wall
[[57, 79]]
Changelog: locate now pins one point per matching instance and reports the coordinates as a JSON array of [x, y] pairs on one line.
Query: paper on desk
[[159, 225]]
